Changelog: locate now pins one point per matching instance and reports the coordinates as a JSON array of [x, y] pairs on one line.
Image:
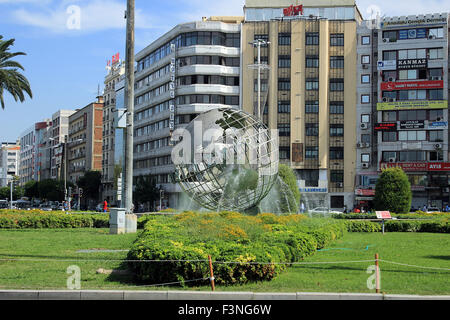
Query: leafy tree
[[393, 191], [91, 182], [31, 189], [288, 187], [145, 190], [5, 193], [11, 79], [51, 190]]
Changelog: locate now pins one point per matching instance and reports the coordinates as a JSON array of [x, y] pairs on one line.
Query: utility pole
[[11, 198], [65, 168], [129, 94], [258, 66]]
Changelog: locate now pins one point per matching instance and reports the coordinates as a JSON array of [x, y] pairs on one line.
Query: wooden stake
[[377, 274], [211, 273]]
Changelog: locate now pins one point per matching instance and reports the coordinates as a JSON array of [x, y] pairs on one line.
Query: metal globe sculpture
[[225, 159]]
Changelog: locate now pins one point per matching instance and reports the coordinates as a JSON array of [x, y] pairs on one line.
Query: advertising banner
[[411, 85], [297, 152], [412, 64], [387, 65], [437, 125], [418, 166], [412, 104], [386, 126], [412, 124]]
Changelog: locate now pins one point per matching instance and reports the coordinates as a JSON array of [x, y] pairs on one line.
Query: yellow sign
[[411, 104]]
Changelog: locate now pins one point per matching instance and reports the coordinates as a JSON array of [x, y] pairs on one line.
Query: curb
[[195, 295]]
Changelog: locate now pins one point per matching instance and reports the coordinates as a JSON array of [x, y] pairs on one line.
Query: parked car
[[45, 207], [433, 209], [4, 204]]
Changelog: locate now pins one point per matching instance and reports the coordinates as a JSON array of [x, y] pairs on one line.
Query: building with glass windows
[[310, 90], [412, 104], [189, 70]]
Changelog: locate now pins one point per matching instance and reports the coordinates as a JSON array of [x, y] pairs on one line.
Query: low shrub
[[243, 248], [363, 226]]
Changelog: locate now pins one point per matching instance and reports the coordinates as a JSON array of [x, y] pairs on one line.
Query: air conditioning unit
[[391, 160], [358, 145], [447, 190], [391, 79], [340, 185], [438, 146], [385, 99], [367, 144], [438, 119], [436, 78], [431, 37], [385, 39], [365, 66], [365, 165], [364, 125]]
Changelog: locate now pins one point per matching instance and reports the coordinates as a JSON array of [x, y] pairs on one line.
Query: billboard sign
[[385, 126], [293, 11], [297, 152], [412, 85], [412, 124], [387, 65], [412, 104], [418, 166], [404, 64]]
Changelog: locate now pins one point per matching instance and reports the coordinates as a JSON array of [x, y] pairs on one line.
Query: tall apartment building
[[189, 70], [311, 86], [84, 143], [32, 162], [59, 129], [116, 71], [9, 159], [412, 108]]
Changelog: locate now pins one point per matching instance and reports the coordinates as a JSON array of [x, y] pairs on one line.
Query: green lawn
[[422, 249]]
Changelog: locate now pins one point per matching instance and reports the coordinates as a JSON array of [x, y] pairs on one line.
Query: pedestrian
[[345, 209], [424, 208], [105, 206], [302, 207], [447, 208]]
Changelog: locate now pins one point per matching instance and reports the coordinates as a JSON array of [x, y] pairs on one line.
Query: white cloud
[[403, 7], [94, 16]]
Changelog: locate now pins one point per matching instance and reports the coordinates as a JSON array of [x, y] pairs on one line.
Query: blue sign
[[403, 34], [323, 190], [412, 34], [438, 124], [421, 33]]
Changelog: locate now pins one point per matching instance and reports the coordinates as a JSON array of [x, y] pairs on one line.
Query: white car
[[324, 210]]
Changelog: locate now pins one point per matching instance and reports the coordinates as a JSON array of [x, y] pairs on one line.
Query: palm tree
[[11, 79]]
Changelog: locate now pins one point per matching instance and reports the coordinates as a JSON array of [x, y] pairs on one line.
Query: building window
[[365, 78], [284, 62], [405, 156], [336, 39], [336, 130], [312, 129], [436, 136], [336, 201], [284, 129], [436, 155], [336, 153], [365, 157], [337, 107], [365, 118], [312, 107], [365, 138], [337, 176], [312, 152], [436, 115], [434, 54], [285, 153], [284, 39], [436, 33], [336, 84], [336, 62], [391, 35], [312, 38], [284, 84], [311, 177], [284, 106], [312, 62], [411, 115], [365, 40], [389, 55], [436, 94], [389, 136], [365, 59], [365, 98], [312, 84]]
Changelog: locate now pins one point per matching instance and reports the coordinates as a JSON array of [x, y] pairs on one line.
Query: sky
[[68, 44]]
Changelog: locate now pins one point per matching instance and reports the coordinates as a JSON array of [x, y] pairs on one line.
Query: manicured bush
[[393, 191], [243, 248], [363, 226]]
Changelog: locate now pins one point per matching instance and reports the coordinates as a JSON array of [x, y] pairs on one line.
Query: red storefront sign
[[293, 11], [365, 192], [407, 85], [418, 166], [386, 126]]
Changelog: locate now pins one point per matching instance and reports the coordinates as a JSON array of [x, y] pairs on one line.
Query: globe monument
[[226, 159]]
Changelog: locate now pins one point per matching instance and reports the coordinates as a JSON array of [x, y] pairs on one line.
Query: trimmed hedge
[[401, 216], [433, 226], [52, 220], [244, 248]]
